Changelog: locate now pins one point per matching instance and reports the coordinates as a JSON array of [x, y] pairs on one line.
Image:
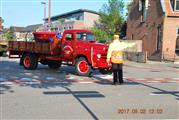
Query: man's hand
[[108, 61]]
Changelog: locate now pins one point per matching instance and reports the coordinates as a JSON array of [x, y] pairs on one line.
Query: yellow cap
[[116, 37]]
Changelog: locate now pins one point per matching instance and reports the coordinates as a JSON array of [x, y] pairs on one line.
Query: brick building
[[156, 23], [77, 19]]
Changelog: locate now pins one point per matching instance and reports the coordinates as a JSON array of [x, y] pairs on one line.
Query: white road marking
[[71, 77], [6, 83], [152, 94], [65, 82], [85, 82], [26, 79], [104, 76], [152, 81], [50, 78]]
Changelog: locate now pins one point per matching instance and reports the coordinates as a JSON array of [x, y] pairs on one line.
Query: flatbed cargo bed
[[17, 47]]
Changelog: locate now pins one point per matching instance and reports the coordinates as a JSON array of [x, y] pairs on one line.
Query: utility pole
[[44, 3], [49, 15]]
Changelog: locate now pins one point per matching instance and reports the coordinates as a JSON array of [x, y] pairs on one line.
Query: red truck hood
[[99, 46]]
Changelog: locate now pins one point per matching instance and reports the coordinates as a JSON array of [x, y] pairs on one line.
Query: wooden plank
[[22, 46], [46, 48], [35, 47], [30, 46], [15, 46]]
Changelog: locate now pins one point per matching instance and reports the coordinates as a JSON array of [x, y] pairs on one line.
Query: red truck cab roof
[[77, 30]]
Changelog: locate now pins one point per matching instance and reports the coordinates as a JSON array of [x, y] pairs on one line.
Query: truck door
[[67, 47]]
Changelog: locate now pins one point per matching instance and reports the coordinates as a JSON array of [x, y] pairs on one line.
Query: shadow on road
[[77, 95], [52, 78]]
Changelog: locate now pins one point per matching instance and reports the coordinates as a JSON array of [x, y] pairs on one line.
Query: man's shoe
[[114, 83], [120, 83]]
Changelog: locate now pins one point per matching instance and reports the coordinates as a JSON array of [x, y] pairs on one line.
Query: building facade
[[156, 23], [25, 33], [77, 19]]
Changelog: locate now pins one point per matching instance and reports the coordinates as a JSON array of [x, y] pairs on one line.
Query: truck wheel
[[1, 53], [54, 65], [30, 61], [82, 67], [105, 71]]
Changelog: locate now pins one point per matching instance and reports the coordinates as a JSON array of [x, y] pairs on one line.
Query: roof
[[18, 29], [29, 28], [77, 30], [32, 27], [72, 12]]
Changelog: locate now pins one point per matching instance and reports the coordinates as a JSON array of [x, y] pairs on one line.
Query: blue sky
[[28, 12]]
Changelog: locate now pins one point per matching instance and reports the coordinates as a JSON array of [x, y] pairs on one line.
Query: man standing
[[115, 56]]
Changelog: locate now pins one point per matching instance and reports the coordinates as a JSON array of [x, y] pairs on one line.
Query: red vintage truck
[[75, 47]]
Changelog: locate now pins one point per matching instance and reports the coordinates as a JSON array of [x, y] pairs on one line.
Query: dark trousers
[[117, 73]]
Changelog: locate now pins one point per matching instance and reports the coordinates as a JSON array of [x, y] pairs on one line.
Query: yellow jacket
[[116, 45]]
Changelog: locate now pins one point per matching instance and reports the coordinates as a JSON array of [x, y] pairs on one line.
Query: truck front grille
[[104, 56]]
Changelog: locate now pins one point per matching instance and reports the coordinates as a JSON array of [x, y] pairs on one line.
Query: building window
[[143, 6], [159, 37], [175, 5], [177, 42]]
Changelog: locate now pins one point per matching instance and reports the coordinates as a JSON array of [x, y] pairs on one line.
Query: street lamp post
[[49, 15], [44, 3]]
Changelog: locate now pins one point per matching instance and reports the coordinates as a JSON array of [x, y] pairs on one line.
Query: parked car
[[3, 47]]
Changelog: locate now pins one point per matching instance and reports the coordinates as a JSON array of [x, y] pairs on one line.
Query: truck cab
[[82, 49]]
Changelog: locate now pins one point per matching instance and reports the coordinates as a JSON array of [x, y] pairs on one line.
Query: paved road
[[150, 91]]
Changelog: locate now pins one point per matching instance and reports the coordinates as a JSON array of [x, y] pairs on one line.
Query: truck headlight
[[98, 56]]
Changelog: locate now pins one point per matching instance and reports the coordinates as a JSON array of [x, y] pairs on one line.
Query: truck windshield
[[85, 36]]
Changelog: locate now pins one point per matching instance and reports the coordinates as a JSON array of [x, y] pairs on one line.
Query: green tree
[[101, 35], [111, 17], [9, 34], [129, 5], [1, 20]]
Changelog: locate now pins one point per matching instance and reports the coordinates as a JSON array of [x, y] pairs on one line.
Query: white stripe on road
[[6, 83], [26, 79], [50, 78], [85, 82], [152, 94]]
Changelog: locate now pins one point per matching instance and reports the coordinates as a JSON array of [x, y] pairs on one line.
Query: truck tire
[[82, 67], [1, 53], [30, 61], [54, 64]]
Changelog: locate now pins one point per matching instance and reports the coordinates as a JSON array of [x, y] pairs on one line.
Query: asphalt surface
[[150, 91]]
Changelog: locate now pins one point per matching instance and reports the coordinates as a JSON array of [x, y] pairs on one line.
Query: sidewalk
[[154, 64]]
